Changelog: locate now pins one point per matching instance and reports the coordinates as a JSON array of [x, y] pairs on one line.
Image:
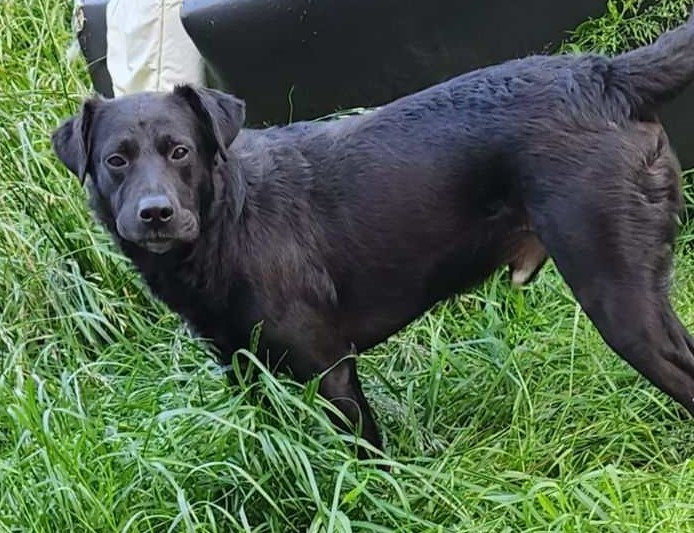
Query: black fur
[[337, 234]]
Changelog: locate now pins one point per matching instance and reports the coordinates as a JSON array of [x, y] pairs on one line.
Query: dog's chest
[[216, 310]]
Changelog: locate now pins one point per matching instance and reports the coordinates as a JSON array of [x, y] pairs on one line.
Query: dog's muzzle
[[157, 224]]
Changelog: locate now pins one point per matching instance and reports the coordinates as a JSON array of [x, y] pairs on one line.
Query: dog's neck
[[228, 189]]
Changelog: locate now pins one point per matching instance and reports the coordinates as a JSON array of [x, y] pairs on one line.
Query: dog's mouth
[[157, 245], [162, 243], [159, 240]]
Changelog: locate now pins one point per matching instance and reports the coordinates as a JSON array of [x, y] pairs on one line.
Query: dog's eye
[[116, 161], [178, 153]]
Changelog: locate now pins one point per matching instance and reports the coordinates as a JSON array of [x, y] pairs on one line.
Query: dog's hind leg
[[528, 258], [605, 207]]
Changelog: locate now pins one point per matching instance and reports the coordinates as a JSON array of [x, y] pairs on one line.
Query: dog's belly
[[380, 302]]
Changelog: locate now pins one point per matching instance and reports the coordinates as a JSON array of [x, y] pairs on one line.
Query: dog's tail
[[654, 74]]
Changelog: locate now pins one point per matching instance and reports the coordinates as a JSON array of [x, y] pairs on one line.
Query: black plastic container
[[91, 35], [295, 59]]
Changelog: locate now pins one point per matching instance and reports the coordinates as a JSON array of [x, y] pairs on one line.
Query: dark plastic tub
[[91, 35], [296, 59]]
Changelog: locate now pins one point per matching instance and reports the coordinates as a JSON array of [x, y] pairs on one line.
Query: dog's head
[[150, 158]]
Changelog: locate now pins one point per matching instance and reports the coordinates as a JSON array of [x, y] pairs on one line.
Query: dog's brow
[[123, 145], [167, 140]]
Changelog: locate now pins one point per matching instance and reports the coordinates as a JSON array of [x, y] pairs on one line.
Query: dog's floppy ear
[[222, 113], [71, 141]]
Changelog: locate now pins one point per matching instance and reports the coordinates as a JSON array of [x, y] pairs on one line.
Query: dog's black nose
[[155, 210]]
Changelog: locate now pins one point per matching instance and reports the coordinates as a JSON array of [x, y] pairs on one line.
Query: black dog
[[337, 234]]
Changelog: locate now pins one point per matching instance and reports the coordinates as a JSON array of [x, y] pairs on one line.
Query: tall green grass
[[502, 410]]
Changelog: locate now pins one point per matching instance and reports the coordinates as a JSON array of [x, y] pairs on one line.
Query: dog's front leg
[[340, 384], [313, 347]]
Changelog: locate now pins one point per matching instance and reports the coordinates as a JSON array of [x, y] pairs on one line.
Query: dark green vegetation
[[502, 410]]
